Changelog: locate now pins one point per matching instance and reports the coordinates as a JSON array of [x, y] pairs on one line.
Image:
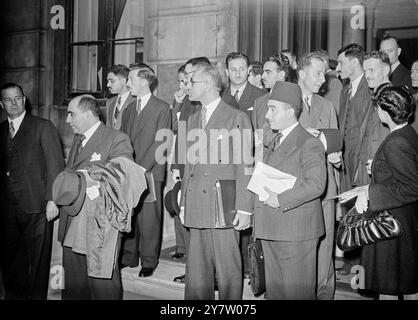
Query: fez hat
[[69, 191], [334, 140], [286, 92], [171, 199]]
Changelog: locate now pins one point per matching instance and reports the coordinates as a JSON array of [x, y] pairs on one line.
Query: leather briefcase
[[256, 262]]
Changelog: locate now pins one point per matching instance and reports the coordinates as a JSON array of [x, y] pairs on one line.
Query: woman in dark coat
[[391, 266]]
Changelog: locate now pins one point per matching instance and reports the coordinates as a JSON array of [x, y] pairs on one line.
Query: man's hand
[[175, 175], [181, 215], [362, 199], [51, 211], [335, 158], [272, 200], [314, 132], [242, 221], [179, 95]]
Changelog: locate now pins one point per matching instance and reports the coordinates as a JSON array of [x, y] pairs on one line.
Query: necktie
[[203, 117], [307, 105], [138, 106], [80, 144], [275, 142], [350, 90], [117, 111], [11, 129], [236, 95]]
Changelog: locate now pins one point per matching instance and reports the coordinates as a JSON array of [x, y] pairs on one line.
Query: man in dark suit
[[141, 121], [399, 74], [31, 157], [319, 113], [289, 224], [244, 93], [116, 83], [214, 247], [94, 143]]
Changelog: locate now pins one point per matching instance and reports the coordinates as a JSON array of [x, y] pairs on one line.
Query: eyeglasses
[[15, 99], [195, 81]]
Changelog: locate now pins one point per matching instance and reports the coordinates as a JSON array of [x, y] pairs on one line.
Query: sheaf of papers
[[267, 176]]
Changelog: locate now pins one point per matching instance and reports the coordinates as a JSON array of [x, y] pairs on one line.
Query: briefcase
[[225, 203], [256, 262]]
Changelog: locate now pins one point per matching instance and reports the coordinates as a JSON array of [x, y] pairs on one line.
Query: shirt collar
[[144, 100], [88, 134], [123, 98], [286, 131], [18, 121], [240, 90], [354, 84], [399, 126], [210, 108]]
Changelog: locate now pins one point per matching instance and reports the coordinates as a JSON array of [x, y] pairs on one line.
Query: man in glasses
[[31, 158]]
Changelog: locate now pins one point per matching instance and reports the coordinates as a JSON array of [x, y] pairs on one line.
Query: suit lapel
[[285, 148], [245, 97], [23, 129], [91, 146], [138, 124]]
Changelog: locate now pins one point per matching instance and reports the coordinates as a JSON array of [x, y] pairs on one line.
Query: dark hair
[[379, 90], [144, 71], [120, 70], [199, 61], [256, 68], [292, 54], [353, 50], [282, 63], [236, 55], [389, 37], [182, 69], [88, 102], [379, 55], [11, 85], [398, 103], [306, 60]]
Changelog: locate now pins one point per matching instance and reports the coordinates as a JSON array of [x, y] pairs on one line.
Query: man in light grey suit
[[214, 248], [289, 224], [319, 113], [116, 83]]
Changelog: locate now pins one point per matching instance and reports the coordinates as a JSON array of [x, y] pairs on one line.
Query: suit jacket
[[299, 216], [106, 142], [322, 116], [36, 159], [247, 99], [198, 183], [142, 129], [110, 107], [401, 76], [361, 104]]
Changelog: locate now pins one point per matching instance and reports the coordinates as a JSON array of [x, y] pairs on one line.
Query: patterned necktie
[[203, 117], [80, 144], [307, 105], [11, 129], [117, 111], [138, 106], [350, 90], [236, 96], [275, 142]]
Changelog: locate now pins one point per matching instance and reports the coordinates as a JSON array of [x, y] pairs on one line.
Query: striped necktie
[[117, 111], [138, 106], [11, 129], [203, 117], [236, 96]]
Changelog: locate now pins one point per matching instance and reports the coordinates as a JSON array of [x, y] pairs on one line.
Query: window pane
[[85, 20], [87, 71]]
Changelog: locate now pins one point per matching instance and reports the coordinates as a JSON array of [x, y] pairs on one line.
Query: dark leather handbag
[[256, 262], [360, 229]]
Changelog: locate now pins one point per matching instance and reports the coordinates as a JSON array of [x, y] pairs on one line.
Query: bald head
[[83, 112]]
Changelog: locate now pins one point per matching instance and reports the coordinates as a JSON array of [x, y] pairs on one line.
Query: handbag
[[360, 229], [256, 264]]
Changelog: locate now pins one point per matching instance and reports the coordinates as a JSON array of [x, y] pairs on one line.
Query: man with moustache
[[116, 83], [31, 157], [290, 224], [399, 74], [141, 121], [94, 143], [319, 113]]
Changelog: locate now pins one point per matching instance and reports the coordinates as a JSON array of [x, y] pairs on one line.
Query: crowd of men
[[285, 102]]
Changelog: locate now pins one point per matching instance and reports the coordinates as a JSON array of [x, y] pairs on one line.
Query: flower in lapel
[[95, 157]]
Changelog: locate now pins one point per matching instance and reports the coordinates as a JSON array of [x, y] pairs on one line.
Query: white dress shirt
[[17, 122], [90, 132]]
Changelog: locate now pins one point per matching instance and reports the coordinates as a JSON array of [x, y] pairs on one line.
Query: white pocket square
[[95, 157], [250, 109]]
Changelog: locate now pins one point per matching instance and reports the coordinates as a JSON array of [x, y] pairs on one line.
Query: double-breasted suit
[[322, 116], [111, 121], [247, 98], [106, 143], [29, 163], [290, 233], [142, 129], [215, 249]]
